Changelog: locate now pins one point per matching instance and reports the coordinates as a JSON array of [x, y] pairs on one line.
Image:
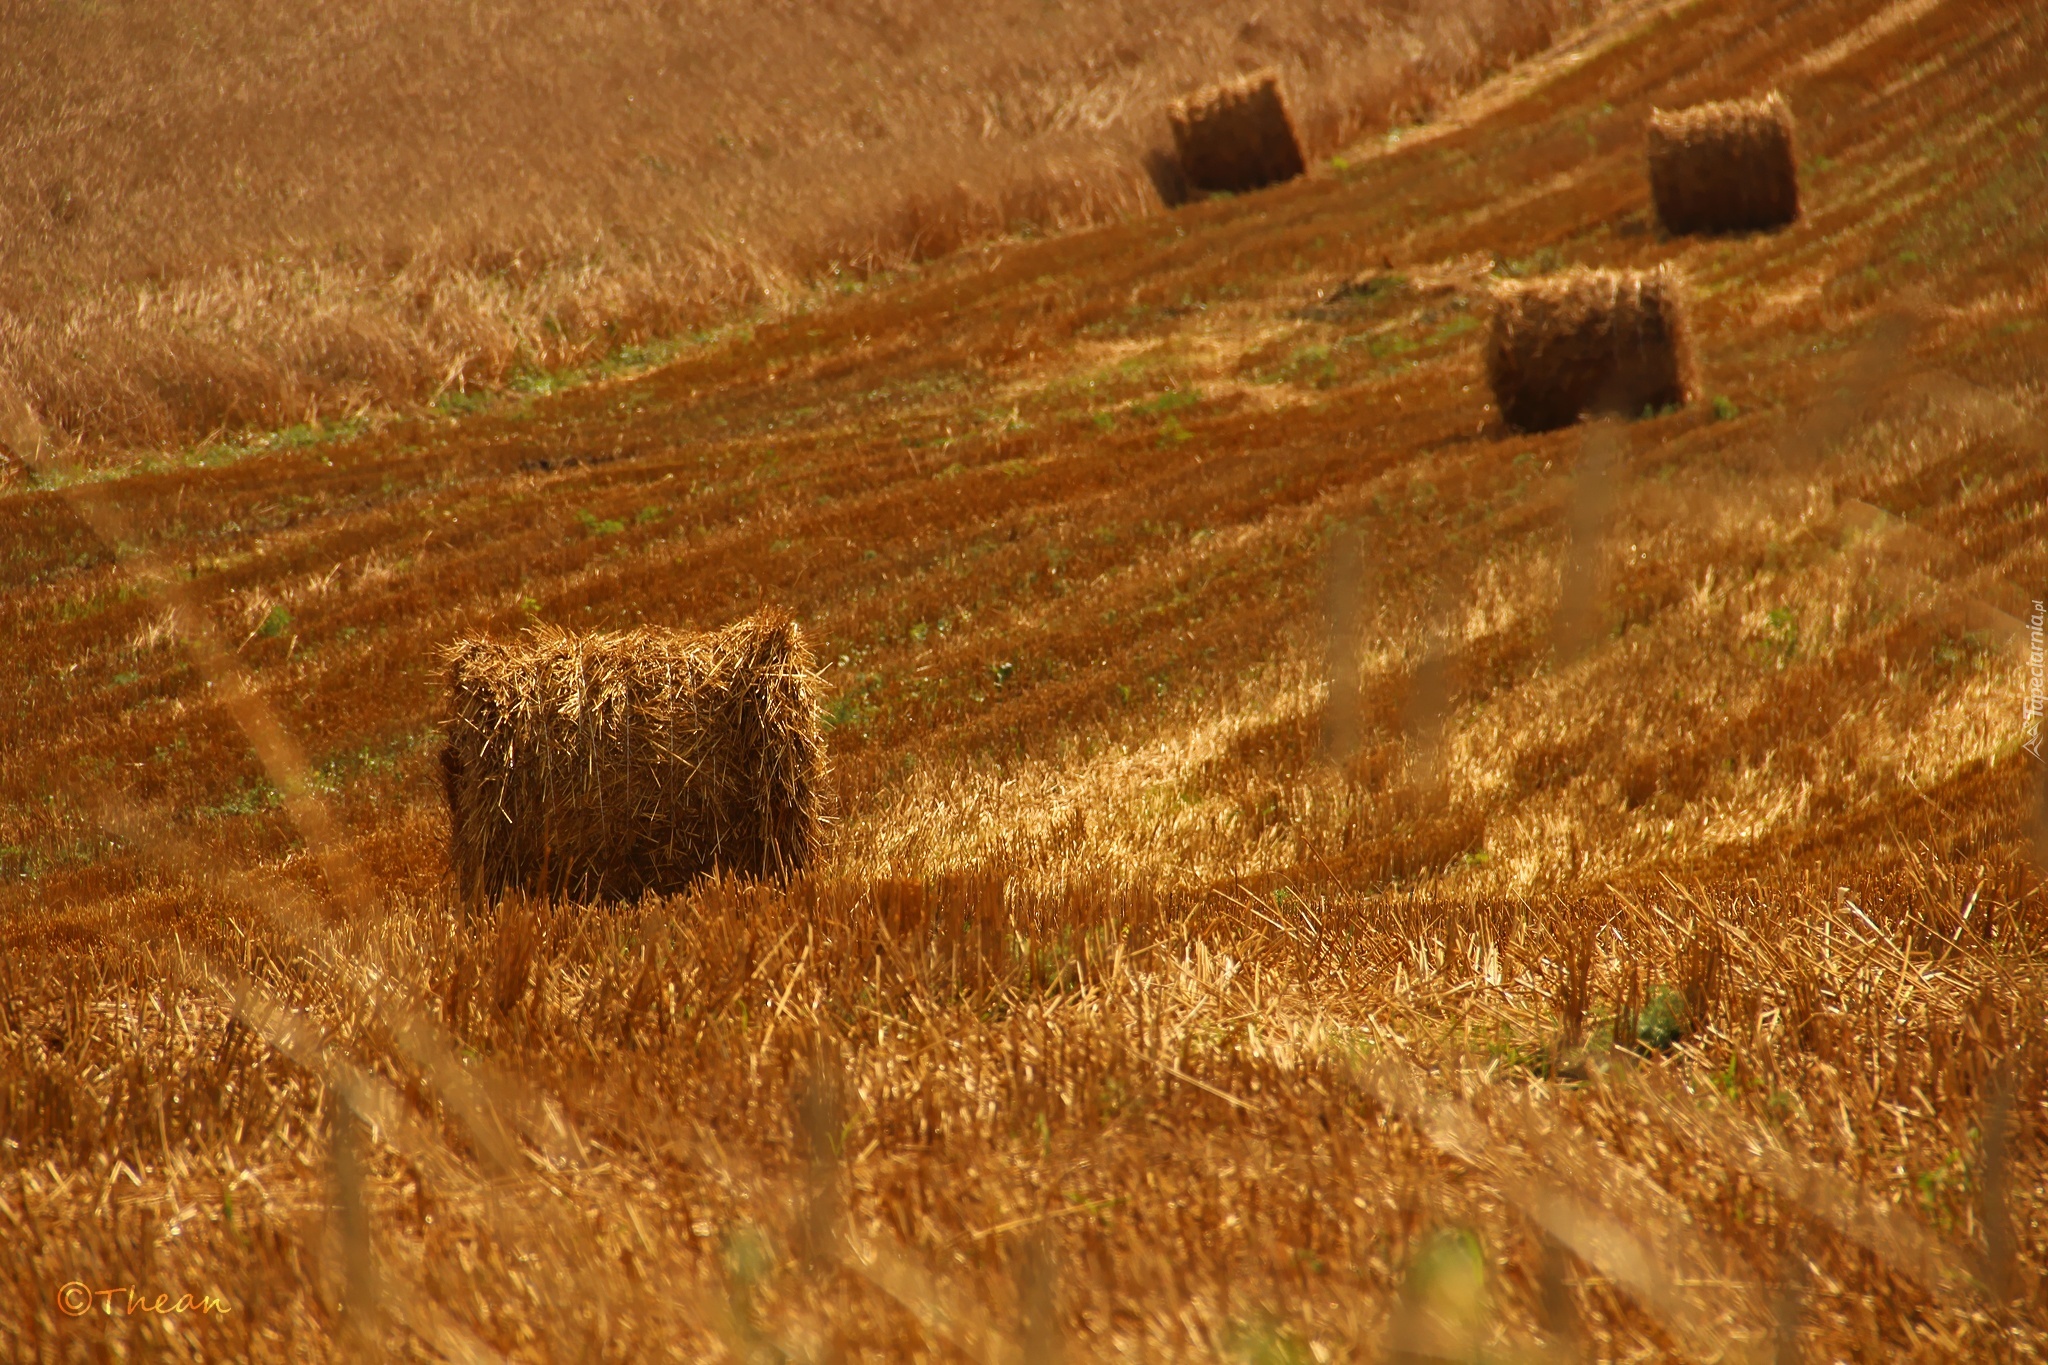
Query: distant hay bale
[[1236, 135], [1727, 167], [601, 766], [1589, 341]]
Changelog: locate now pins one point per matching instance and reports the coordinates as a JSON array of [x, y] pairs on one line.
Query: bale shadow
[[1169, 179]]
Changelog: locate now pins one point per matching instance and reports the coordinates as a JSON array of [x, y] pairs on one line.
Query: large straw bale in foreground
[[600, 766], [1589, 341], [1727, 167], [1236, 135]]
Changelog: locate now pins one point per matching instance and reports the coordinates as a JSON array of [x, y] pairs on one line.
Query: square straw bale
[[601, 766], [1589, 341], [1236, 135], [1726, 167]]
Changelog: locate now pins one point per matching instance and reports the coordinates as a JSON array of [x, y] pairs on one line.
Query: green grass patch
[[1173, 400]]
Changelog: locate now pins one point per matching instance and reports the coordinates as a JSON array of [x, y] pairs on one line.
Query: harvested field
[[1730, 166], [1318, 875], [206, 243]]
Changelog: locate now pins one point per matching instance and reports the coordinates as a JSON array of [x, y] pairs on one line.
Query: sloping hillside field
[[1314, 874]]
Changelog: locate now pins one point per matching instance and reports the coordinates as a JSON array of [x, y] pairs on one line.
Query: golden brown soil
[[1625, 941]]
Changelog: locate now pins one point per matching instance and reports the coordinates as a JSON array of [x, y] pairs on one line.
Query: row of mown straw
[[602, 766]]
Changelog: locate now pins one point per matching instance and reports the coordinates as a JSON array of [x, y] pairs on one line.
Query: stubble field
[[1314, 875], [223, 216]]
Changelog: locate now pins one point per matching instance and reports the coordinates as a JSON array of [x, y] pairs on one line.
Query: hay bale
[[601, 766], [1589, 341], [1727, 167], [1236, 136]]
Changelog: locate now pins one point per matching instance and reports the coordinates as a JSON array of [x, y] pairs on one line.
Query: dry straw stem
[[1589, 341], [607, 765], [1343, 612], [1725, 167], [1236, 135], [1623, 1227], [1592, 505]]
